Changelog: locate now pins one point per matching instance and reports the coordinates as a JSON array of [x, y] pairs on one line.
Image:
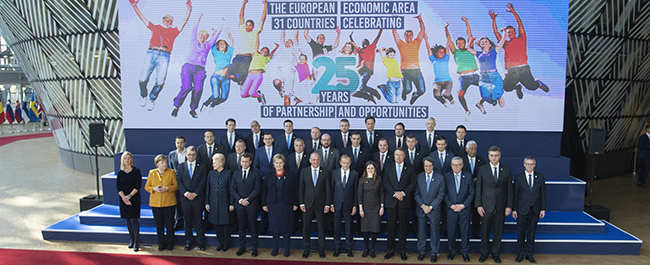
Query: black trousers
[[287, 241], [394, 216], [193, 215], [247, 217], [307, 217], [223, 235], [526, 229], [346, 216], [164, 217], [492, 221]]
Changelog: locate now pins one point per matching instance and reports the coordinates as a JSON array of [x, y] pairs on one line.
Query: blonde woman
[[161, 183], [129, 182]]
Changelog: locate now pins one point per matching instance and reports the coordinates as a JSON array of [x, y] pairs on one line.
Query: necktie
[[345, 140], [428, 182], [430, 140], [530, 181], [191, 171], [245, 175], [268, 153], [345, 178], [370, 141], [315, 177], [230, 140], [356, 154], [496, 177], [442, 160], [381, 162], [399, 142], [412, 158], [315, 146], [239, 160], [457, 182], [462, 144], [256, 141], [325, 155], [399, 172], [210, 152], [471, 164], [289, 142], [299, 160]]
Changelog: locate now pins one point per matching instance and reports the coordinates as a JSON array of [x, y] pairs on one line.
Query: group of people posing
[[416, 180], [244, 61]]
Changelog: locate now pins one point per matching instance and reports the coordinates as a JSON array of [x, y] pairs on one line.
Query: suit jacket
[[337, 141], [376, 157], [417, 161], [202, 153], [281, 143], [332, 159], [250, 146], [525, 197], [465, 193], [315, 196], [309, 148], [195, 185], [479, 161], [292, 165], [344, 198], [440, 167], [364, 156], [392, 143], [644, 146], [423, 142], [172, 159], [231, 162], [223, 141], [435, 196], [456, 149], [261, 162], [493, 195], [406, 184], [375, 141], [289, 188], [251, 189]]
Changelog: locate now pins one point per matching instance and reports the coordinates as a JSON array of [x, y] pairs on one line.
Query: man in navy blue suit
[[233, 162], [191, 186], [427, 139], [644, 153], [246, 189], [229, 139], [460, 194], [263, 161], [344, 188], [441, 156], [370, 137], [429, 196], [296, 161], [285, 141], [413, 156], [358, 153], [457, 146], [529, 206], [254, 139]]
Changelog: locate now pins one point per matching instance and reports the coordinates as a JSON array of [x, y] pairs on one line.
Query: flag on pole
[[18, 115], [10, 111], [2, 114], [40, 110], [32, 112]]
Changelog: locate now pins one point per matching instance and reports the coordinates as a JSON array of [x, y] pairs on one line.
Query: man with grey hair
[[460, 194], [529, 207], [427, 139], [471, 164], [191, 189], [429, 196]]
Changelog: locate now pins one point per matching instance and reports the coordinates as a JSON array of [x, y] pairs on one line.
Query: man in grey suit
[[234, 159], [344, 187], [229, 139], [191, 186], [493, 202], [529, 207], [329, 156], [429, 195], [176, 157], [315, 197], [460, 194]]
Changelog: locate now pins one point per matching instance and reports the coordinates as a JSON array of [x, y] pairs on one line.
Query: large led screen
[[490, 65]]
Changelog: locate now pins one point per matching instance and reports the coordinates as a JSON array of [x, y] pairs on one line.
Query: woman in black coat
[[280, 200], [129, 182], [218, 202]]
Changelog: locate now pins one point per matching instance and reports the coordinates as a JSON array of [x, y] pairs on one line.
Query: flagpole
[[11, 129]]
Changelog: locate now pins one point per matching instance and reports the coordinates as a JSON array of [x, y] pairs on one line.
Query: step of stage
[[613, 241], [554, 222]]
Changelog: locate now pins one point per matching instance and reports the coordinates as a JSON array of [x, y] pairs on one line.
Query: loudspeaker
[[96, 131], [596, 141]]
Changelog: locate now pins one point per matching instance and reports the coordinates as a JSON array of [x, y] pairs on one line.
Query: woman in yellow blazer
[[161, 183]]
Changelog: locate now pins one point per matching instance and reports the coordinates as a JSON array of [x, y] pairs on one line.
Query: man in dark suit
[[345, 182], [370, 138], [191, 186], [471, 163], [442, 156], [314, 144], [246, 189], [176, 157], [329, 156], [429, 196], [413, 155], [644, 154], [229, 139], [263, 161], [493, 202], [342, 139], [399, 182], [285, 141], [209, 148], [233, 163], [296, 161], [457, 146], [427, 139], [358, 153], [254, 139], [382, 157], [399, 140], [460, 194], [315, 198], [529, 207]]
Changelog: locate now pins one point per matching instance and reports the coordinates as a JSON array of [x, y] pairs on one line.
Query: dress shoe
[[188, 247], [373, 254], [476, 235], [404, 257], [365, 253], [305, 253], [321, 254], [434, 258], [287, 253], [482, 258], [202, 248], [465, 258], [531, 259], [136, 247], [496, 258], [519, 258], [130, 244], [451, 256], [274, 252], [421, 257], [224, 249], [389, 255], [350, 253], [240, 251], [336, 253], [170, 247], [219, 247], [255, 253], [161, 248]]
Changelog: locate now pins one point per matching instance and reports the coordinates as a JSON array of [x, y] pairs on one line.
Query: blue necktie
[[256, 141], [289, 142], [191, 171], [268, 153], [370, 139], [442, 160], [345, 178], [457, 182], [471, 164], [315, 177], [496, 177], [428, 182], [230, 140], [356, 154], [210, 152], [399, 172]]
